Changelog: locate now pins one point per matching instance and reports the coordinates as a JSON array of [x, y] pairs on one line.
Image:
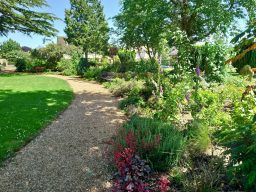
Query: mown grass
[[28, 103]]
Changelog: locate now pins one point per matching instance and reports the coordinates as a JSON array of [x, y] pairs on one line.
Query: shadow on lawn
[[23, 114], [70, 155]]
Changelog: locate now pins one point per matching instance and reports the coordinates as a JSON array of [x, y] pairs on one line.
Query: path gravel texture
[[68, 156]]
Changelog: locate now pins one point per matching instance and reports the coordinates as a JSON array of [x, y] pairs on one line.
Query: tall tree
[[86, 25], [18, 15], [142, 23], [202, 18]]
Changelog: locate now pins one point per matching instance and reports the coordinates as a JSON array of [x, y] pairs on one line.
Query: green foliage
[[240, 140], [86, 25], [144, 66], [36, 66], [72, 65], [182, 64], [21, 65], [11, 50], [120, 87], [52, 54], [142, 24], [67, 66], [8, 46], [200, 138], [211, 59], [21, 16], [247, 71], [93, 73], [127, 58], [173, 101], [160, 143], [213, 16], [135, 100]]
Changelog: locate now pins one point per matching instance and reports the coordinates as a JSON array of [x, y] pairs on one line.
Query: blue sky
[[57, 7]]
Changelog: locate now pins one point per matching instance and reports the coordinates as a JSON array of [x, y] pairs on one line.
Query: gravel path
[[68, 154]]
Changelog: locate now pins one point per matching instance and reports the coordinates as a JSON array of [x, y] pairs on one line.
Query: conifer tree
[[86, 25], [18, 15]]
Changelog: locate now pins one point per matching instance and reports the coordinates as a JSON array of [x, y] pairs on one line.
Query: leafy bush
[[133, 172], [200, 138], [158, 142], [211, 59], [67, 67], [52, 54], [144, 66], [131, 100], [93, 73], [21, 64], [120, 87], [37, 66], [11, 50], [174, 100], [240, 140], [72, 65], [247, 71], [127, 58]]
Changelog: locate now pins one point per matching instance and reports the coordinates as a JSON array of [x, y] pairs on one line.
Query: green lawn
[[27, 104]]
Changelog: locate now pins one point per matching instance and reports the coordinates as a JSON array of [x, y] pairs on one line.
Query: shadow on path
[[69, 154]]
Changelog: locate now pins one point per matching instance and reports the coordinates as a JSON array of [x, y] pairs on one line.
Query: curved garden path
[[68, 155]]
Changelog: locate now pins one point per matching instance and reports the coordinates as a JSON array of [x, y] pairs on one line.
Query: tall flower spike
[[198, 72]]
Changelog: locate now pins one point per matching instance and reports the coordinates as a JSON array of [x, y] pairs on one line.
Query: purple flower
[[198, 72]]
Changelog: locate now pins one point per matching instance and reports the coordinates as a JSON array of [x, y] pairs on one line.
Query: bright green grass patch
[[28, 103]]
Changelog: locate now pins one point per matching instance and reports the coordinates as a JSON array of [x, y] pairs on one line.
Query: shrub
[[120, 87], [240, 140], [93, 73], [116, 64], [11, 50], [71, 66], [133, 172], [173, 101], [21, 64], [247, 71], [158, 142], [211, 59], [67, 67], [200, 138], [36, 66], [127, 58], [52, 54], [131, 100], [144, 66]]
